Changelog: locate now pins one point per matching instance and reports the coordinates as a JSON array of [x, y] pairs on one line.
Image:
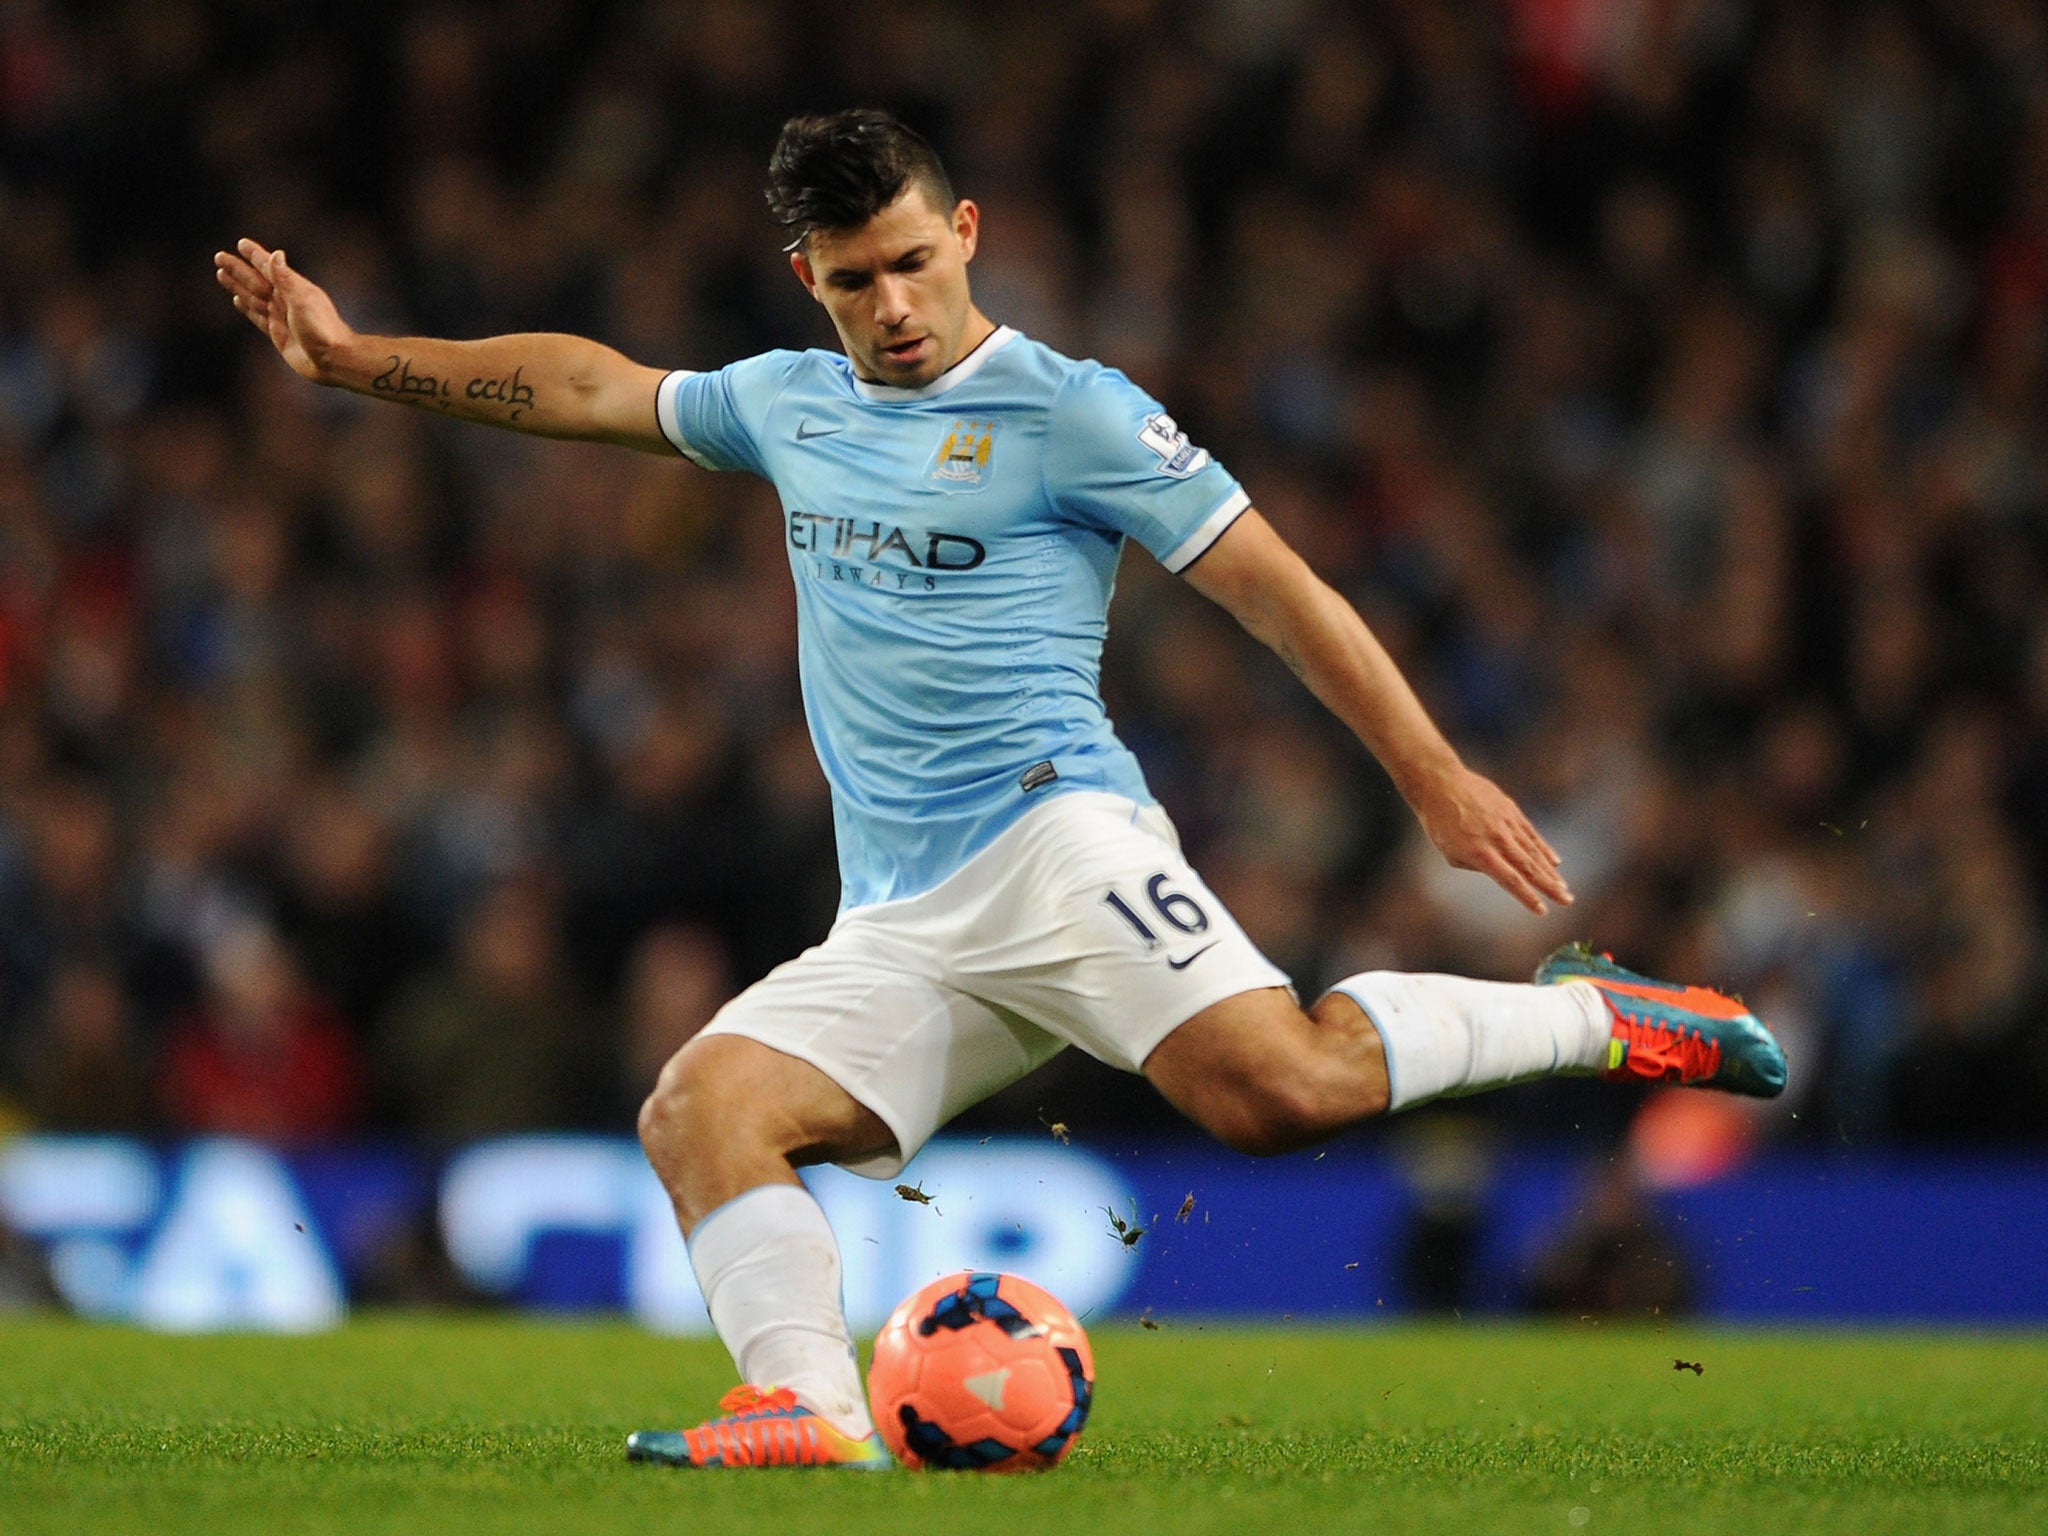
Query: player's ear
[[967, 227], [800, 264]]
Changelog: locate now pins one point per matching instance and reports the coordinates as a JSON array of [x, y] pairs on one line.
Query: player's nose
[[892, 302]]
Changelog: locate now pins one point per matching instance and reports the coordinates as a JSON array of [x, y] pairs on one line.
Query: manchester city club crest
[[964, 456]]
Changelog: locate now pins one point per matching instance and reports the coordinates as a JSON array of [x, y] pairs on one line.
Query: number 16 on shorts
[[1174, 909]]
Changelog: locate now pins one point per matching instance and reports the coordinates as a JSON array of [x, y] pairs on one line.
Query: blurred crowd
[[1666, 380]]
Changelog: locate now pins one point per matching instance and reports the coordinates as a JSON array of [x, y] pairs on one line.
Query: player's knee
[[655, 1111], [660, 1119], [687, 1105]]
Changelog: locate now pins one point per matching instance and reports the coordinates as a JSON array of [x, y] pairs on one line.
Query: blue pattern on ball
[[936, 1448], [973, 1302]]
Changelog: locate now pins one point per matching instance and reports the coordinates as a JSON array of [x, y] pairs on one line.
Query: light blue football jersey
[[954, 549]]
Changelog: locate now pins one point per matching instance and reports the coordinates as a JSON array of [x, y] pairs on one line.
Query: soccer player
[[956, 497]]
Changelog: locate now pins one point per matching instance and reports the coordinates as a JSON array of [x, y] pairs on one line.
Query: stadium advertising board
[[224, 1234]]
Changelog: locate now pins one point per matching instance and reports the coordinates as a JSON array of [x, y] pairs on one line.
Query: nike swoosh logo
[[804, 434], [1181, 965]]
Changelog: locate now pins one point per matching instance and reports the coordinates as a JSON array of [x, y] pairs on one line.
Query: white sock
[[1449, 1035], [769, 1269]]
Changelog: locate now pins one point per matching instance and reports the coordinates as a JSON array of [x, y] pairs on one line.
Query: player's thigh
[[1097, 928], [872, 1019]]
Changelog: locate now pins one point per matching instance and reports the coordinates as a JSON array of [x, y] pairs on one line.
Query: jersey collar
[[958, 374]]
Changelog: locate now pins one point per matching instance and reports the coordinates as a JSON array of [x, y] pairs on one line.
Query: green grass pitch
[[445, 1426]]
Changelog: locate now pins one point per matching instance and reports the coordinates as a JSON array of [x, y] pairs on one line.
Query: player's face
[[896, 288]]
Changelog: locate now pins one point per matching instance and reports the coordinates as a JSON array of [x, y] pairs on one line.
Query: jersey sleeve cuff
[[1196, 544], [667, 418]]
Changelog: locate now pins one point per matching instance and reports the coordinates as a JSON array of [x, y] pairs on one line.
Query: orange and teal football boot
[[759, 1427], [1674, 1034]]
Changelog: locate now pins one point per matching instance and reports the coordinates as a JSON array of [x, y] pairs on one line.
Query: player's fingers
[[1531, 885], [1551, 882], [254, 311], [1510, 879], [1528, 837], [256, 257], [1521, 831], [241, 293], [1520, 845], [241, 285], [240, 276], [1540, 863], [1491, 858], [294, 292]]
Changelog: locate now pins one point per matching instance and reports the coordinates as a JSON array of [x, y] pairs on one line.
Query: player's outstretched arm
[[1269, 589], [547, 384]]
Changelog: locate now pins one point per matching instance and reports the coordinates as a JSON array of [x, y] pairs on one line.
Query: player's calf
[[1264, 1077]]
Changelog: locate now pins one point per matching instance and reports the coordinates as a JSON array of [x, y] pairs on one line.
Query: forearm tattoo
[[512, 392], [399, 380]]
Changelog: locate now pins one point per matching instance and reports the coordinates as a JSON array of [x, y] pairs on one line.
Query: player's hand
[[294, 312], [1476, 826]]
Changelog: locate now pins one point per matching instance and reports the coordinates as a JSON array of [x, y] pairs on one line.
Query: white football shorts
[[1082, 924]]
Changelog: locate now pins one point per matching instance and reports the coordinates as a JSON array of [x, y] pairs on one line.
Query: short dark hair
[[839, 170]]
